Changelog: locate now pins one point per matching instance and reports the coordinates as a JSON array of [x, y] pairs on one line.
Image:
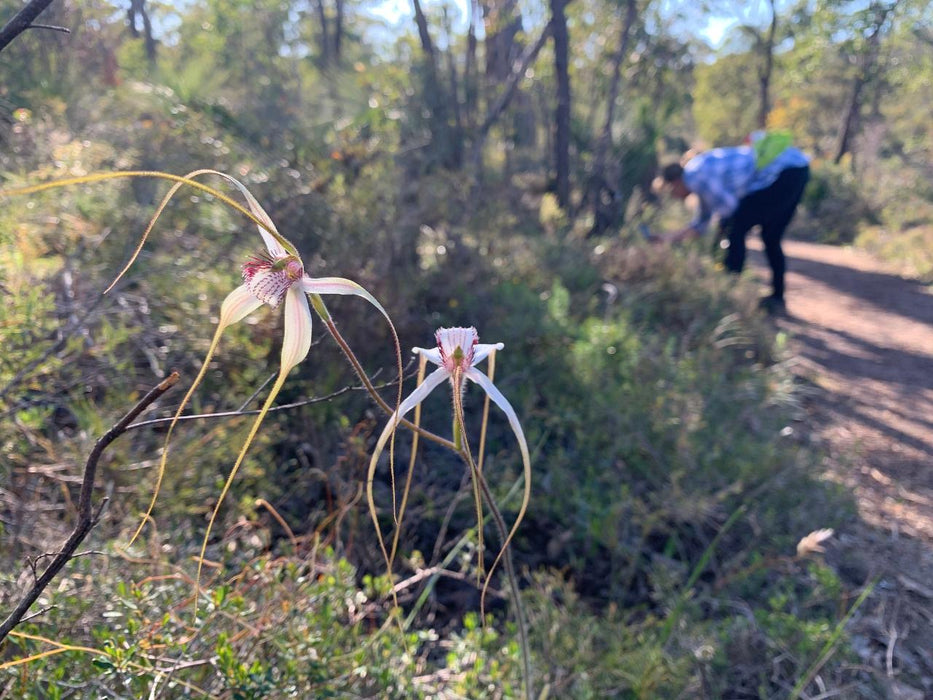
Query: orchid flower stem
[[361, 373], [506, 555], [276, 388], [457, 379], [422, 365]]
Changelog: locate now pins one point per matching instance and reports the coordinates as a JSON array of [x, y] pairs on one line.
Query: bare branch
[[272, 409], [22, 21], [87, 517]]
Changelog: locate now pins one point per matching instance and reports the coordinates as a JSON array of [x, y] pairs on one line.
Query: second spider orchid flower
[[274, 276], [457, 353]]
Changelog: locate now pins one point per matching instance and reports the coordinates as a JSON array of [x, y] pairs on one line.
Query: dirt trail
[[864, 337]]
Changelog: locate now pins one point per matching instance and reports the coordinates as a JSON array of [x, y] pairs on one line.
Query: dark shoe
[[773, 306]]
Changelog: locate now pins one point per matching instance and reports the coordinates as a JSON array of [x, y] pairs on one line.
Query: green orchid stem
[[463, 447], [481, 491], [480, 480], [361, 373]]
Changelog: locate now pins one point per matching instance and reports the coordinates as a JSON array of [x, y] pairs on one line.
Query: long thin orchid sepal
[[179, 180], [276, 275], [457, 353]]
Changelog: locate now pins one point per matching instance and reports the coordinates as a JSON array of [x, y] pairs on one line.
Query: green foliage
[[655, 399], [292, 626], [835, 208], [726, 98]]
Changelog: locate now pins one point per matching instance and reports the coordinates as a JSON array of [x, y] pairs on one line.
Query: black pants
[[771, 208]]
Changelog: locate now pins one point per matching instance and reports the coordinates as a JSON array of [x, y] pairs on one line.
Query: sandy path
[[864, 337]]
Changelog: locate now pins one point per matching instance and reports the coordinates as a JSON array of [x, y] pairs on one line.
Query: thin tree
[[138, 8], [562, 109], [865, 72], [599, 183], [446, 144], [766, 69]]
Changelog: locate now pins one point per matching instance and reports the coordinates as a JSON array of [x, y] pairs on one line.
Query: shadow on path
[[891, 293], [864, 338]]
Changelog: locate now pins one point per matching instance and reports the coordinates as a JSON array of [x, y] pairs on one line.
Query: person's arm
[[715, 198]]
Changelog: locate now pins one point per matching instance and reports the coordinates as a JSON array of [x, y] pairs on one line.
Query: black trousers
[[771, 208]]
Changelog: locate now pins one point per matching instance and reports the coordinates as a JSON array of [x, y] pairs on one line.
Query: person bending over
[[743, 192]]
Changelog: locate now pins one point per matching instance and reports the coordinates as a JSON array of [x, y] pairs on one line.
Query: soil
[[862, 337]]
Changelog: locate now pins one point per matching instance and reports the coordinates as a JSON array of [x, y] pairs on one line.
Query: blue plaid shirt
[[722, 176]]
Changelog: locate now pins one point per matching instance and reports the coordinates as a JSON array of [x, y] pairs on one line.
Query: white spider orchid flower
[[457, 353], [279, 274]]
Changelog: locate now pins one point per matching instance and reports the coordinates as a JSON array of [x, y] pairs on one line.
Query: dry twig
[[87, 517]]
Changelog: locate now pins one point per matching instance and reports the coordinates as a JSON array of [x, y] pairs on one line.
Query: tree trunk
[[502, 24], [337, 42], [562, 110], [325, 32], [767, 68], [863, 76], [452, 75], [599, 183], [470, 76], [447, 145], [507, 92]]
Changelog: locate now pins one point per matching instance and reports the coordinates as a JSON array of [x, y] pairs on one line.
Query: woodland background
[[484, 165]]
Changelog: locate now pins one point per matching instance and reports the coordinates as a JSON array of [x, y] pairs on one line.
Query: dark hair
[[672, 172]]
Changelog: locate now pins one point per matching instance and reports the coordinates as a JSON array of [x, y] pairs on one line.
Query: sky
[[393, 11]]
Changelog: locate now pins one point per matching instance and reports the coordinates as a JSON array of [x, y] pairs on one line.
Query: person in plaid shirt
[[743, 192]]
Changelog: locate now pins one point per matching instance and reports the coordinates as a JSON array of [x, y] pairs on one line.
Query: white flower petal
[[272, 245], [431, 354], [482, 350], [431, 382], [340, 285], [237, 306], [486, 383], [297, 338]]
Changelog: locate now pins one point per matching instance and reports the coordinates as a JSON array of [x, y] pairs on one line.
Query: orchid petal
[[430, 383], [341, 285], [335, 285], [486, 383], [481, 351], [297, 338], [432, 354], [237, 306], [433, 380], [267, 230]]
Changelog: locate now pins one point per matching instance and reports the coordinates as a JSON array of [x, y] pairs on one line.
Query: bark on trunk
[[764, 75], [863, 76], [562, 110], [599, 183]]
